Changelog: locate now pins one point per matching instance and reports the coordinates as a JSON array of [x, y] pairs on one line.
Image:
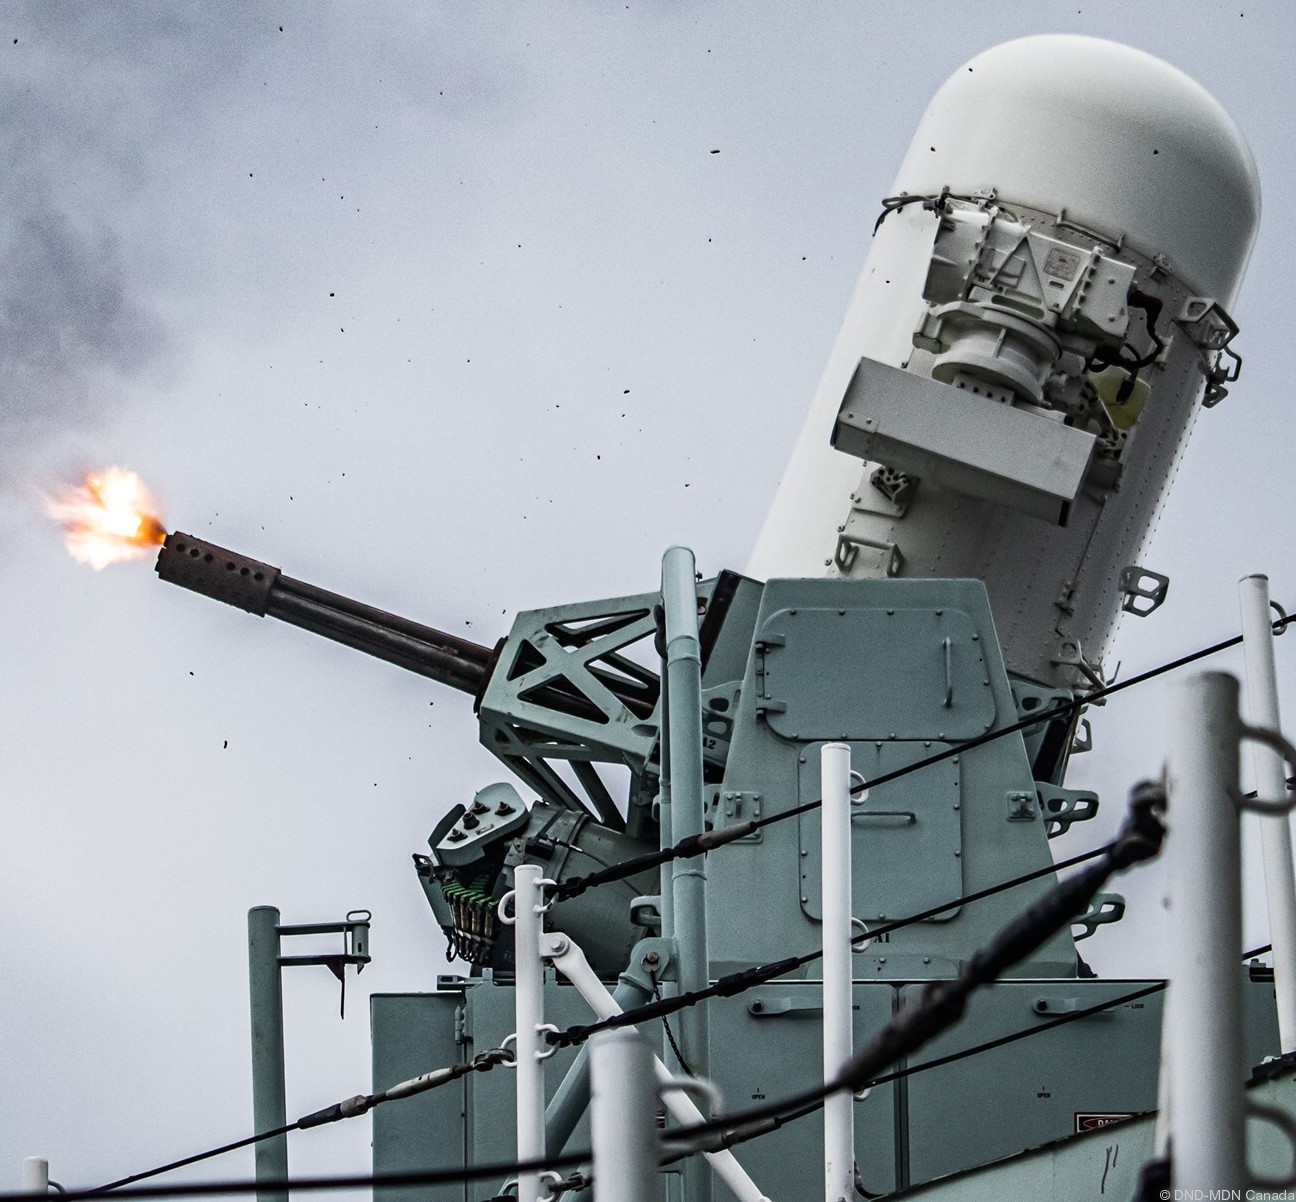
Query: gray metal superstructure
[[961, 526]]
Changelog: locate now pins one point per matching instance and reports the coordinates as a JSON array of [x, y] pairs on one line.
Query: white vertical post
[[835, 857], [35, 1175], [623, 1118], [687, 802], [1271, 783], [683, 688], [528, 897], [1203, 847]]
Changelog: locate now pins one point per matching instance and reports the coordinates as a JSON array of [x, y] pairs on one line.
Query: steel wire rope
[[737, 1132], [1137, 844], [734, 983], [731, 985], [748, 978], [944, 1000], [440, 1176], [1057, 711], [199, 1189], [696, 845], [348, 1108], [744, 1127]]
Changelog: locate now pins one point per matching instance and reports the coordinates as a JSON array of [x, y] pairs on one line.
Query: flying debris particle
[[225, 745], [332, 294], [625, 392], [714, 151], [190, 673]]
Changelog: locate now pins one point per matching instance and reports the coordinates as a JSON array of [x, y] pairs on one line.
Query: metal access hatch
[[907, 849], [873, 673]]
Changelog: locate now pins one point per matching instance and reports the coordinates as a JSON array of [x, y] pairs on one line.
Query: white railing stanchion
[[1204, 1009], [623, 1118], [835, 859], [35, 1175], [1271, 782], [528, 903], [568, 959]]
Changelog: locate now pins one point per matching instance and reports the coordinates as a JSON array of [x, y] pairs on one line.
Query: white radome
[[1096, 149]]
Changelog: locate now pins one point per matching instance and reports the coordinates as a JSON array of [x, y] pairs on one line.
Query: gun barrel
[[262, 589]]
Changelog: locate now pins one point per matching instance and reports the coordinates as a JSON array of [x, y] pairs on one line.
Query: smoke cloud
[[69, 327]]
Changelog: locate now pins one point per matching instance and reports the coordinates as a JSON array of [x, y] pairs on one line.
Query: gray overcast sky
[[451, 308]]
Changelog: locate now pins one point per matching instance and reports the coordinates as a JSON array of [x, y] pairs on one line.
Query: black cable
[[696, 845], [1062, 709], [737, 1127], [693, 845], [934, 203], [743, 1127], [990, 1044], [350, 1108], [944, 1000], [700, 844], [179, 1164], [748, 978], [879, 1080], [670, 1035], [475, 1172]]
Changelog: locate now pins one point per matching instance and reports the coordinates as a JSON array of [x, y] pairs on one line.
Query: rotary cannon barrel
[[262, 589]]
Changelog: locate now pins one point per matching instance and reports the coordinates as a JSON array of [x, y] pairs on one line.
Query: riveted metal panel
[[1026, 1093], [489, 1017], [414, 1033], [768, 1044], [872, 673], [910, 822]]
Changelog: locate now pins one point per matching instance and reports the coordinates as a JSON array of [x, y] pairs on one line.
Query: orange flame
[[109, 517]]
